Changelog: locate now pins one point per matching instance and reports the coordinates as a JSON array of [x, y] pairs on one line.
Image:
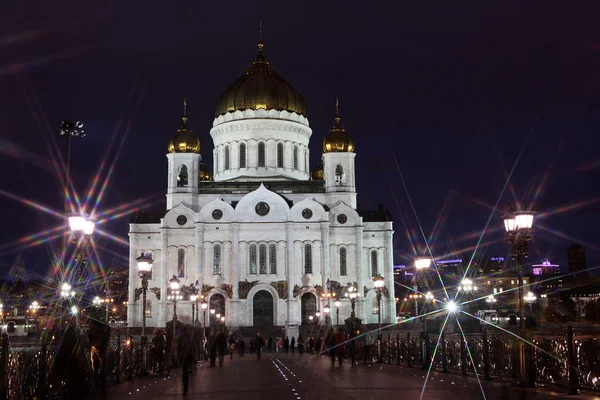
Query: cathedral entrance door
[[308, 307], [263, 309]]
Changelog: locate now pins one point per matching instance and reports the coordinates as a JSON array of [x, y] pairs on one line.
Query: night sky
[[459, 95]]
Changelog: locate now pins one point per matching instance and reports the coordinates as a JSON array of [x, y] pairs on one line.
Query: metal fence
[[494, 353]]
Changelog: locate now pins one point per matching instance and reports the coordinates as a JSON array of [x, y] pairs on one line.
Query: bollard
[[463, 356], [486, 356], [408, 349], [573, 373], [444, 353], [397, 349]]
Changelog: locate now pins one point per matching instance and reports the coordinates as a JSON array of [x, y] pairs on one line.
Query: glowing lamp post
[[212, 316], [379, 284], [326, 310], [144, 264], [193, 300], [337, 304], [518, 226], [204, 306], [422, 265], [66, 291], [81, 224], [174, 297]]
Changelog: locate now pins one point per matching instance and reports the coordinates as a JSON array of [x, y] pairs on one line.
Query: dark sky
[[455, 92]]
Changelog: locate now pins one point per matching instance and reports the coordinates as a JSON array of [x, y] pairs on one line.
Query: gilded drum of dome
[[261, 88]]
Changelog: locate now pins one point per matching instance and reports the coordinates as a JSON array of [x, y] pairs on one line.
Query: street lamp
[[223, 323], [193, 300], [353, 296], [212, 316], [69, 129], [379, 283], [326, 310], [422, 265], [144, 264], [337, 305], [204, 306], [519, 231], [34, 307], [174, 296], [66, 291]]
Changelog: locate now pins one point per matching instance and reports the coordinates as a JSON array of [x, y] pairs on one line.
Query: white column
[[289, 272], [389, 268], [360, 273], [163, 277], [132, 308], [281, 258], [326, 261]]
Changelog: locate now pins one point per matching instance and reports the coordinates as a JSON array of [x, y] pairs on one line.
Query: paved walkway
[[277, 376]]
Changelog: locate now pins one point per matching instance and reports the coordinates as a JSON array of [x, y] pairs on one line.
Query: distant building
[[576, 257], [546, 269], [490, 265]]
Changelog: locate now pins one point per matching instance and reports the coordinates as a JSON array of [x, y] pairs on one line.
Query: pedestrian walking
[[286, 345], [231, 346], [251, 345], [221, 345], [300, 345], [187, 360], [270, 343], [212, 349], [330, 339], [293, 344], [340, 340], [259, 342]]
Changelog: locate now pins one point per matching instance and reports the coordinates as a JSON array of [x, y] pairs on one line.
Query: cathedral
[[265, 241]]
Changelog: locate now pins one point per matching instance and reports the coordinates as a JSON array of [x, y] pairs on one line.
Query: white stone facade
[[221, 235]]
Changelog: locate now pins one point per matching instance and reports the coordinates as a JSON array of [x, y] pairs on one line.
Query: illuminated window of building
[[261, 154], [272, 259], [279, 155], [512, 282], [262, 258], [226, 158], [342, 261], [295, 157], [253, 259], [182, 176], [308, 259], [374, 268], [242, 155], [217, 260], [181, 263]]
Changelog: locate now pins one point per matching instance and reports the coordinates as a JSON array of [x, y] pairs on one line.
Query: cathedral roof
[[338, 140], [185, 140], [261, 87]]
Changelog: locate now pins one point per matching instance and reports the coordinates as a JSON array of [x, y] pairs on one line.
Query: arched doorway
[[262, 305], [217, 303], [308, 304]]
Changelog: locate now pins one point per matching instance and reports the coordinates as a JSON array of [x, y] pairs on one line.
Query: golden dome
[[261, 88], [204, 173], [318, 174], [338, 139], [185, 140]]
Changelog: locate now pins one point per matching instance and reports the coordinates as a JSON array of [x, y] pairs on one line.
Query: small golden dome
[[204, 173], [318, 174], [185, 140], [338, 140], [261, 88]]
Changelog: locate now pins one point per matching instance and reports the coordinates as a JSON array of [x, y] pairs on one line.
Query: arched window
[[182, 176], [261, 154], [226, 158], [375, 306], [308, 259], [181, 262], [262, 259], [279, 155], [295, 157], [242, 155], [272, 259], [253, 259], [339, 175], [342, 261], [148, 308], [374, 269], [217, 260]]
